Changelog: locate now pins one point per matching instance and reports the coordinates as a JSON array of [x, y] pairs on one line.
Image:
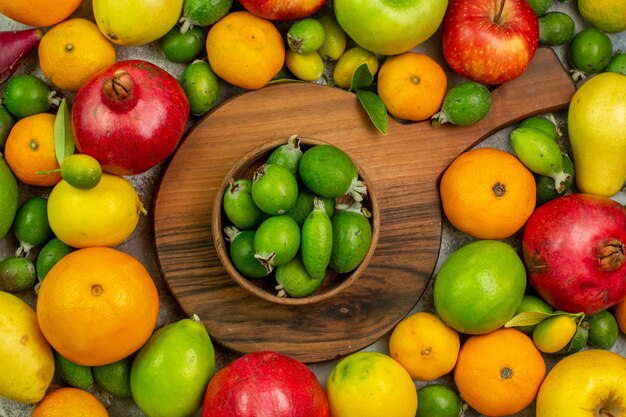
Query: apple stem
[[499, 15]]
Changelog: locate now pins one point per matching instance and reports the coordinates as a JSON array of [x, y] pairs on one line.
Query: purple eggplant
[[15, 46]]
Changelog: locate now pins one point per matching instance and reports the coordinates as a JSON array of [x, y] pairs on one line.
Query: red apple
[[575, 252], [282, 9], [265, 384], [490, 41], [130, 116]]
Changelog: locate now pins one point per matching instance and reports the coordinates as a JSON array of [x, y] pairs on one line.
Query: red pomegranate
[[130, 116], [574, 250], [265, 383]]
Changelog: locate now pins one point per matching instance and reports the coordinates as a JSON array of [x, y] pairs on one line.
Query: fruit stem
[[439, 119], [559, 179], [186, 24], [119, 90], [498, 18], [294, 142], [231, 233]]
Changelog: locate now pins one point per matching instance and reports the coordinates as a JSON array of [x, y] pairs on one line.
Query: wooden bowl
[[334, 283]]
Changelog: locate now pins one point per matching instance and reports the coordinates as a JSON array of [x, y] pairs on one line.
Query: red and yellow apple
[[490, 41], [282, 9]]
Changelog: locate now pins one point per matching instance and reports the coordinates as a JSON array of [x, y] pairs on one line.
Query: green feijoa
[[305, 36], [317, 240], [49, 255], [31, 227], [9, 197], [241, 252], [589, 52], [25, 95], [287, 155], [579, 340], [274, 189], [335, 39], [183, 47], [616, 64], [304, 206], [203, 12], [239, 206], [556, 28], [201, 86], [16, 274], [6, 123], [545, 185], [540, 6], [438, 400], [464, 104], [276, 241], [603, 329], [541, 123], [330, 172], [75, 375], [114, 377], [294, 279], [540, 154], [352, 236]]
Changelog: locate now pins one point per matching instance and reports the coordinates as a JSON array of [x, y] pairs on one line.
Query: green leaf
[[375, 109], [63, 135], [362, 78], [527, 318]]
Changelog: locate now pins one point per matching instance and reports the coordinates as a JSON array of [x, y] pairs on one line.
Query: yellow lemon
[[606, 15], [101, 216], [370, 384], [136, 22]]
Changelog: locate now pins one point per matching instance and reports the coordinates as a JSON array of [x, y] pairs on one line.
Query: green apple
[[589, 383], [390, 27]]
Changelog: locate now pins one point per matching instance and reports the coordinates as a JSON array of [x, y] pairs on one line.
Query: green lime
[[438, 400], [335, 39], [541, 123], [203, 12], [9, 197], [75, 375], [114, 377], [306, 66], [293, 279], [241, 253], [556, 28], [49, 255], [6, 123], [540, 6], [306, 36], [31, 227], [603, 329], [617, 64], [352, 236], [183, 47], [480, 286], [25, 95], [16, 274], [532, 303], [554, 333], [590, 52], [201, 86], [545, 185], [464, 104], [81, 171]]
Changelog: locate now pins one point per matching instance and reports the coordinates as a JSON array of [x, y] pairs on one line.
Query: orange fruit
[[499, 373], [245, 50], [425, 346], [73, 51], [69, 402], [38, 13], [619, 311], [97, 305], [412, 86], [29, 149], [487, 193]]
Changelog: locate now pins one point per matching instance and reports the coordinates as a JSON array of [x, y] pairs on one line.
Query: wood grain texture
[[404, 166]]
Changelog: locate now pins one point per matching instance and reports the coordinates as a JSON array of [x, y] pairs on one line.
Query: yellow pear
[[25, 356], [597, 131]]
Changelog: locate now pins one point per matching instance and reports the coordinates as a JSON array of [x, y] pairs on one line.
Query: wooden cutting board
[[404, 167]]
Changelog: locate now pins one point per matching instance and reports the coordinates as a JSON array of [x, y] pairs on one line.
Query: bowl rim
[[221, 246]]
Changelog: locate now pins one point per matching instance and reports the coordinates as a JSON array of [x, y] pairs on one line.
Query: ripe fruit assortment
[[489, 330]]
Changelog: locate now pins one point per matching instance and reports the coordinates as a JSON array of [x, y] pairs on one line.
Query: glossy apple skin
[[282, 9], [265, 384], [484, 48], [131, 131], [573, 249], [389, 27]]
